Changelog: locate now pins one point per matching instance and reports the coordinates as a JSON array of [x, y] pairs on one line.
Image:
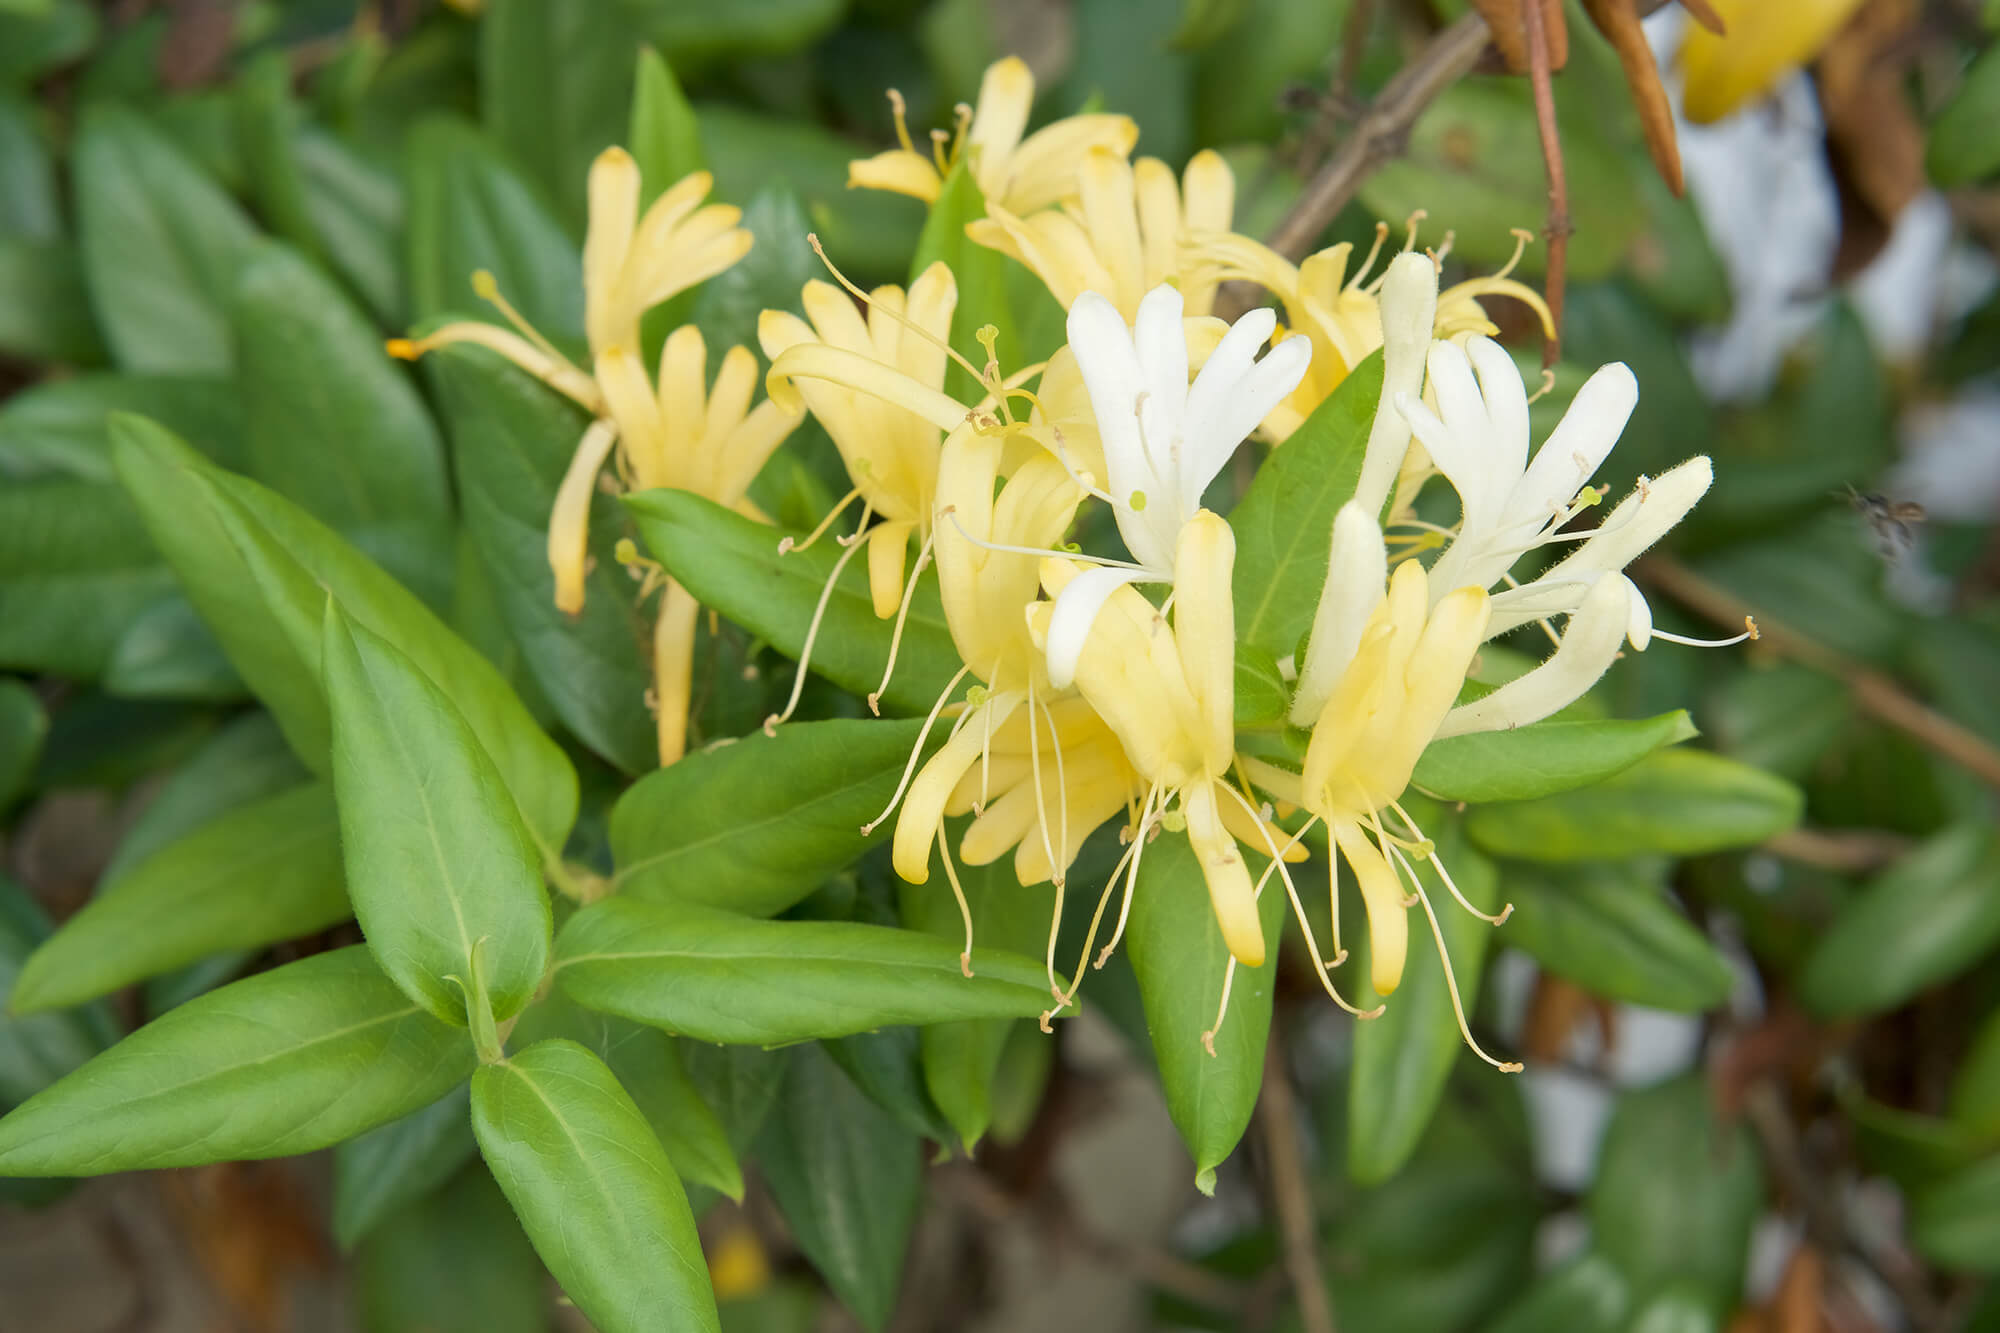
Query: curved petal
[[1356, 574], [1506, 401], [1076, 611], [1589, 646], [1578, 445], [1115, 380], [1213, 438]]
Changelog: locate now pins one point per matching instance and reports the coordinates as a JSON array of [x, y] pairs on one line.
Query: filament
[[916, 752]]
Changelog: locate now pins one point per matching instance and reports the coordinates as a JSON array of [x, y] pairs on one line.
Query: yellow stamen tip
[[484, 285], [402, 349]]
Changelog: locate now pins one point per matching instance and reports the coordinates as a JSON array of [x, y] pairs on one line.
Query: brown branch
[[1844, 851], [1353, 43], [1278, 1121], [1558, 228], [1877, 694], [1379, 135]]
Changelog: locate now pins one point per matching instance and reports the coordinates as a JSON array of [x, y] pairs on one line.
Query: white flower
[[1164, 439]]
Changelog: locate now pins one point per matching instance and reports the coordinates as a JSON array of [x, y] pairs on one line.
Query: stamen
[[1548, 377], [1084, 480], [1062, 782], [1522, 237], [961, 115], [812, 239], [1043, 551], [1057, 873], [1490, 918], [902, 615], [1374, 251], [487, 288], [941, 152], [1090, 938], [916, 753], [772, 722], [1221, 1010], [1451, 983], [899, 111], [964, 908], [1139, 842], [1750, 632], [787, 546]]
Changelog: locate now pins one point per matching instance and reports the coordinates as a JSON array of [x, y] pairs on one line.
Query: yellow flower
[[1012, 172], [1123, 237], [1343, 315], [678, 432], [1762, 43]]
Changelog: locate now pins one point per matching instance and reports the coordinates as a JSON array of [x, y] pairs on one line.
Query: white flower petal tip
[[1589, 646]]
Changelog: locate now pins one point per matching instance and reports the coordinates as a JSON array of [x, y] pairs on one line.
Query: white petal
[[1642, 519], [1162, 348], [1220, 433], [1589, 646], [1357, 572], [1076, 611], [1577, 447], [1110, 368], [1457, 455], [1409, 311], [1639, 625], [1506, 405], [1209, 399]]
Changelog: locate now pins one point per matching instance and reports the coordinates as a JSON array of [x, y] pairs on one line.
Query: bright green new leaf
[[664, 140], [467, 1232], [1956, 1222], [757, 825], [593, 1189], [1609, 929], [264, 872], [286, 1062], [260, 570], [512, 442], [732, 563], [1963, 148], [1284, 523], [1402, 1058], [1176, 949], [162, 245], [1523, 763], [848, 1179], [1682, 802], [389, 1168], [718, 977], [1921, 922], [439, 865]]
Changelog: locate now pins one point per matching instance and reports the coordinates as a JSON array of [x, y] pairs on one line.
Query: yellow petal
[[673, 668], [569, 520], [1230, 891], [1158, 198], [557, 374], [749, 446], [1763, 42], [861, 373], [1043, 169], [922, 815], [898, 171], [1006, 92], [1205, 630], [613, 189], [888, 550], [637, 411], [1208, 192], [1111, 217], [1382, 895], [683, 413]]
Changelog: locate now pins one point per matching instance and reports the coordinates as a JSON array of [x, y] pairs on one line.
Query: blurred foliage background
[[1764, 1086]]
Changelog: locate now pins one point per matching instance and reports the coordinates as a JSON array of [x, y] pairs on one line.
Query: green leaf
[[45, 312], [692, 34], [1975, 1088], [62, 426], [37, 1049], [333, 424], [1956, 1222], [555, 82], [162, 246], [512, 440], [1284, 523], [593, 1189], [1962, 146], [260, 570], [1176, 949], [848, 1179], [771, 276], [663, 138], [1678, 1309], [960, 1059], [1261, 694], [23, 728], [28, 199], [1677, 1193], [264, 872], [466, 1235], [1908, 1147], [392, 1166], [244, 760], [732, 563], [443, 874], [888, 1067], [1682, 802], [75, 571], [1922, 921], [1585, 1295], [286, 1062], [1540, 760], [757, 825], [32, 44], [356, 206], [718, 977], [167, 652], [1609, 929], [1401, 1059], [266, 126], [981, 274], [470, 210]]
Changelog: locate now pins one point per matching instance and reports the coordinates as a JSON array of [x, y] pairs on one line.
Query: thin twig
[[1558, 228], [1278, 1121], [1353, 44], [1844, 851], [1875, 693], [1379, 135]]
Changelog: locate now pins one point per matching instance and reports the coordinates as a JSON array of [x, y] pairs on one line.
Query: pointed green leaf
[[1402, 1058], [63, 426], [389, 1168], [168, 652], [37, 1049], [756, 826], [285, 1062], [266, 125], [593, 1189], [1522, 763], [732, 563], [244, 760], [1962, 146], [512, 440], [356, 205], [663, 137], [454, 1261], [438, 861], [1956, 1222], [1609, 929], [719, 977], [264, 872], [260, 570], [849, 1181], [1177, 952], [981, 274], [1682, 802], [1284, 523], [1922, 921], [162, 245]]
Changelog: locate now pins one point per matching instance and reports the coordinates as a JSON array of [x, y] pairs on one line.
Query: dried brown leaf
[[1618, 20], [1873, 135], [1510, 31], [1798, 1306]]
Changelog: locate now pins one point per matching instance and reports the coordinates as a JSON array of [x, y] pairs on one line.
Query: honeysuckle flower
[[1760, 44], [1345, 316], [1163, 439], [1015, 173], [1382, 671], [1123, 236], [677, 431]]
